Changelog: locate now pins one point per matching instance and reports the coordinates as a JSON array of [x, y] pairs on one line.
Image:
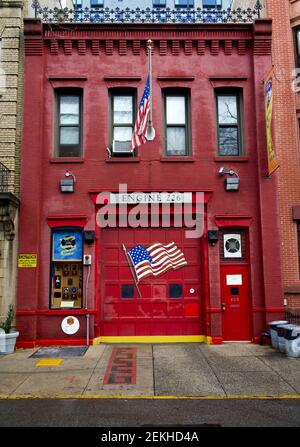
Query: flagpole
[[150, 129], [132, 271]]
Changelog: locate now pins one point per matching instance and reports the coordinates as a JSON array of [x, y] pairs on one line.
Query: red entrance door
[[235, 296]]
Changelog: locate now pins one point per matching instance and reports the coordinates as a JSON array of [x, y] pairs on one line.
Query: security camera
[[222, 171]]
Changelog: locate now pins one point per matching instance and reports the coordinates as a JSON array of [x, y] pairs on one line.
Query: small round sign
[[70, 325], [192, 290]]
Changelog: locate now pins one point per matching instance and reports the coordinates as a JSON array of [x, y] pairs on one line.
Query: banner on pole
[[269, 95]]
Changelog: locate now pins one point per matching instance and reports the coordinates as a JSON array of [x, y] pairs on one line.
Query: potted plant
[[8, 335]]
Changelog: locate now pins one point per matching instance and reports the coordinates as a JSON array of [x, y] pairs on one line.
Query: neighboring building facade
[[285, 15], [209, 4], [82, 89], [11, 91]]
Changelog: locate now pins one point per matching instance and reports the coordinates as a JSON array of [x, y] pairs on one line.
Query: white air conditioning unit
[[121, 147]]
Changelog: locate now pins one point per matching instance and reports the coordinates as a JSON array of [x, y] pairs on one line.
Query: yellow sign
[[269, 95], [29, 261]]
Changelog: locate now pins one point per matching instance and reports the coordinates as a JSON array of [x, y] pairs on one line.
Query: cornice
[[132, 38]]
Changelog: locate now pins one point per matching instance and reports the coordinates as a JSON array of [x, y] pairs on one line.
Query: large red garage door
[[170, 304]]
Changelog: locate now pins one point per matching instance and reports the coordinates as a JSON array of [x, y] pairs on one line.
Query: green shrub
[[7, 323]]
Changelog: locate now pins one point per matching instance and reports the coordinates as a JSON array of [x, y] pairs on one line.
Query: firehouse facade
[[207, 163]]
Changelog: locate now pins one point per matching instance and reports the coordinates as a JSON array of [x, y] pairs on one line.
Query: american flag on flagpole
[[140, 128], [156, 259]]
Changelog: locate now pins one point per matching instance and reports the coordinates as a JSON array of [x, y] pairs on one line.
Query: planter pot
[[8, 342]]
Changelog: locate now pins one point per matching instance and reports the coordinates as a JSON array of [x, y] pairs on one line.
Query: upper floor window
[[212, 4], [229, 122], [177, 123], [77, 3], [297, 38], [161, 3], [97, 3], [69, 123], [184, 3], [122, 120]]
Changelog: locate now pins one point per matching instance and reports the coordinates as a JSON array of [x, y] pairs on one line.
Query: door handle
[[223, 307]]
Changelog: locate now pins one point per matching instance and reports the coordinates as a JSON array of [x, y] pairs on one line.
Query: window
[[184, 3], [77, 3], [297, 41], [175, 290], [97, 3], [157, 3], [229, 123], [127, 291], [176, 123], [123, 115], [298, 233], [212, 4], [233, 246], [69, 124], [66, 269]]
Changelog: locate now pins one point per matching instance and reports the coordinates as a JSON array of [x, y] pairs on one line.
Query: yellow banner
[[269, 95], [27, 261]]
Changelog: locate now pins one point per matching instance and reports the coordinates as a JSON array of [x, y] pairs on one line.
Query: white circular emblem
[[70, 325], [192, 290]]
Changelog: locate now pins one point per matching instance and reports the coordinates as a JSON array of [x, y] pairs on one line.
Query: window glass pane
[[69, 135], [127, 291], [122, 106], [175, 110], [122, 133], [228, 141], [298, 42], [176, 144], [175, 291], [97, 2], [227, 110], [69, 109]]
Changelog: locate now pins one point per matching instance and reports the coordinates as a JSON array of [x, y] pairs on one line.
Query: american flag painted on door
[[156, 259]]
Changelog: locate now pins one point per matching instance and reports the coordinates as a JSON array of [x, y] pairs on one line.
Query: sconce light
[[89, 236], [231, 183], [68, 185], [212, 236]]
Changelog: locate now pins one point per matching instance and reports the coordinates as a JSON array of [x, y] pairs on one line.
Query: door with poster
[[235, 287]]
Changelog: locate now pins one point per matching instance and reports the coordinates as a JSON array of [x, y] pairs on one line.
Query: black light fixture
[[89, 236], [232, 183], [212, 236], [67, 185]]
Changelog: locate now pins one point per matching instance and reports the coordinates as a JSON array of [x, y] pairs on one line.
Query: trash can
[[273, 332], [292, 341], [281, 333]]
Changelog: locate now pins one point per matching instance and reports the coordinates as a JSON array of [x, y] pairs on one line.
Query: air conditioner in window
[[121, 147]]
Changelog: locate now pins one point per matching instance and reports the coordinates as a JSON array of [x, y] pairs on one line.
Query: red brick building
[[285, 15], [82, 89]]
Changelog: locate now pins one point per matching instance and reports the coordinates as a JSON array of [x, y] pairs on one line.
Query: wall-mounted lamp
[[68, 184], [213, 237], [232, 183]]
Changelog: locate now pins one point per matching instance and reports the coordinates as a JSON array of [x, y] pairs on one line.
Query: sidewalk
[[179, 370]]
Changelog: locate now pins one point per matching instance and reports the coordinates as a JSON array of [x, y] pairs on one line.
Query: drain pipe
[[86, 306]]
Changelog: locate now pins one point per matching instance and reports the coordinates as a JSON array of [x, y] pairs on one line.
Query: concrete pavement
[[154, 371]]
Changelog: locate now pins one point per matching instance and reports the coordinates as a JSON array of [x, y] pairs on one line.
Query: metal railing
[[147, 15], [292, 315], [4, 178]]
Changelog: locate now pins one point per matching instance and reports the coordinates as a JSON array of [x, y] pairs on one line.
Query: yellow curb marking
[[92, 396], [49, 362]]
